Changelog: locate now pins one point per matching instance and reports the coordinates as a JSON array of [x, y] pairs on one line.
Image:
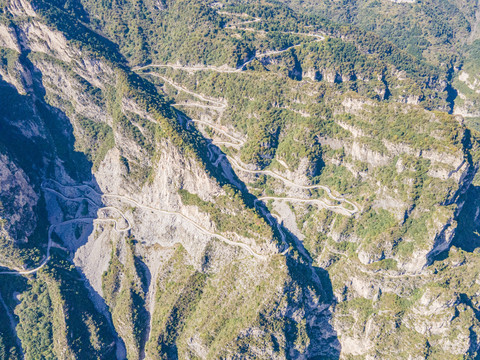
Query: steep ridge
[[307, 212], [113, 218]]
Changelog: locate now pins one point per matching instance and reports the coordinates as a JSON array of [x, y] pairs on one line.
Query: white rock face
[[363, 153], [8, 38], [353, 130], [433, 315], [472, 82], [313, 74], [37, 37], [468, 110], [152, 211], [355, 106], [331, 76], [21, 8], [468, 106], [18, 200], [155, 216]]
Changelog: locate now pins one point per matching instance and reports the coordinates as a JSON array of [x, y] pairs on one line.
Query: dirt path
[[243, 167], [198, 226], [174, 213], [228, 69], [225, 68], [72, 221], [191, 68], [237, 164], [217, 102], [203, 106], [307, 201]]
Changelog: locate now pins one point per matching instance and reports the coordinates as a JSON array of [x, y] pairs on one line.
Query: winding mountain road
[[218, 102], [111, 208], [216, 128], [228, 69], [195, 224], [47, 255], [168, 212], [217, 105], [236, 164], [191, 68], [71, 221], [225, 68], [203, 106], [243, 167], [306, 201]]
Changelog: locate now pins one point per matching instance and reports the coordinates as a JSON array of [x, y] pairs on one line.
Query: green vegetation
[[8, 60], [417, 128], [100, 138], [129, 86], [374, 223], [426, 29], [9, 349], [57, 317], [336, 111], [185, 298], [178, 293], [64, 15], [230, 214], [20, 254], [35, 329], [123, 289]]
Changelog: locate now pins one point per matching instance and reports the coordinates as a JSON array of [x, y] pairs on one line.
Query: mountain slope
[[293, 191]]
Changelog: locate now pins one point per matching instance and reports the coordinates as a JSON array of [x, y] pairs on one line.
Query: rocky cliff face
[[18, 202], [176, 248], [125, 222]]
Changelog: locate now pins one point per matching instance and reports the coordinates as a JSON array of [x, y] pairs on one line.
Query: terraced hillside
[[185, 179]]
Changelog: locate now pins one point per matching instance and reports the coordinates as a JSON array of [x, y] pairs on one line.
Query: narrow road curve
[[307, 201], [226, 143], [267, 214], [240, 68], [195, 224], [217, 102], [234, 26], [174, 213], [225, 68], [47, 256], [216, 128], [53, 226], [115, 222], [203, 106], [255, 20], [76, 199], [236, 163], [242, 167], [99, 208], [191, 68]]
